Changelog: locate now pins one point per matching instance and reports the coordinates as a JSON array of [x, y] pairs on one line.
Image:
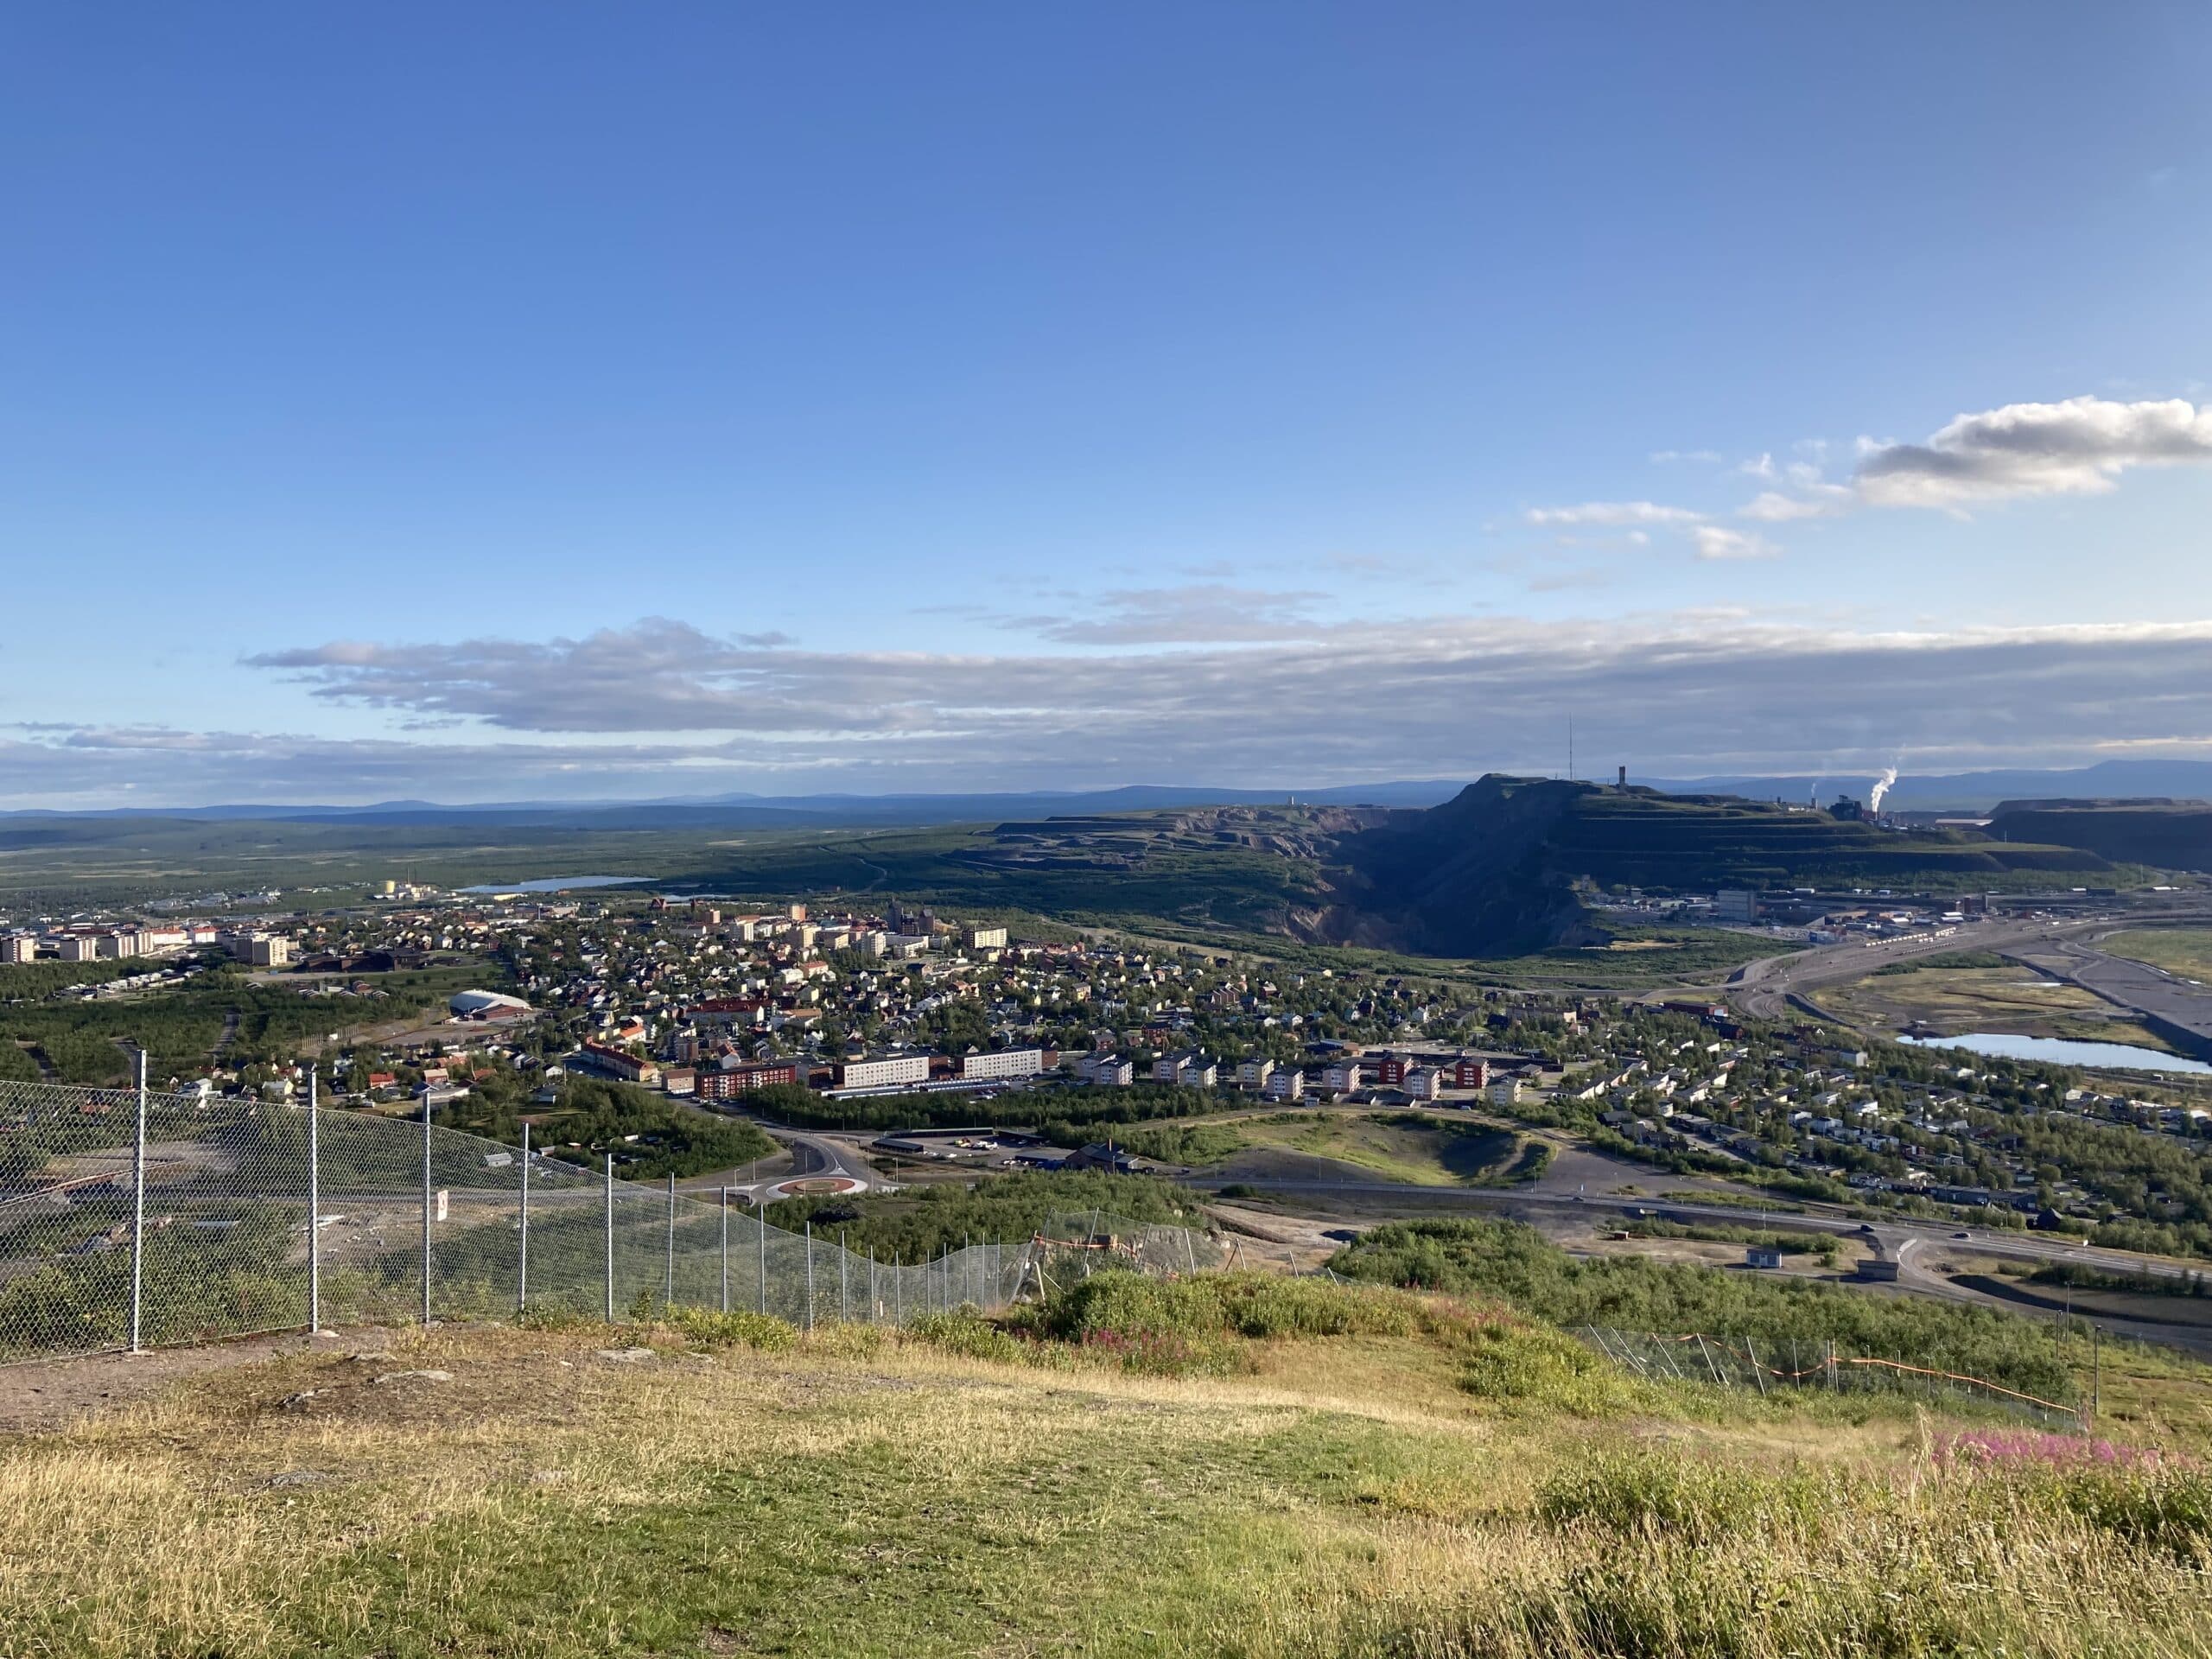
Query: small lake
[[2063, 1051], [559, 883]]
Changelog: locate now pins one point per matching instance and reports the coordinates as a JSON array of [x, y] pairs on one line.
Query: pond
[[2060, 1051]]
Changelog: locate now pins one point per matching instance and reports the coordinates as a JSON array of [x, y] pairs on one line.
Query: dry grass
[[864, 1495], [2184, 951], [1958, 1000]]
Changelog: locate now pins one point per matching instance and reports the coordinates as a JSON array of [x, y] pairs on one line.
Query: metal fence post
[[522, 1249], [426, 1208], [724, 1249], [874, 1310], [760, 1278], [138, 1210], [610, 1238], [809, 1273], [844, 1262], [314, 1206], [668, 1296]]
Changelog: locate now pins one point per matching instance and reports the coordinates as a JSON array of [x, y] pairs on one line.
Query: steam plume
[[1881, 788]]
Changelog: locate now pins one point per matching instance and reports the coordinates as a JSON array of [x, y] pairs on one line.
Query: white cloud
[[2078, 446], [1774, 507], [1718, 542], [1664, 457], [1686, 696], [1613, 512], [1195, 614]]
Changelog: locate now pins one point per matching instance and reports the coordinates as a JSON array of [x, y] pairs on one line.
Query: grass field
[[2184, 951], [1952, 1000], [1427, 1150], [1441, 1481]]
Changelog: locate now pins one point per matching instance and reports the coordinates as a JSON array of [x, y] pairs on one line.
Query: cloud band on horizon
[[648, 707]]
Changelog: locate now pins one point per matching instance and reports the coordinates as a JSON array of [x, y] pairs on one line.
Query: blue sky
[[485, 402]]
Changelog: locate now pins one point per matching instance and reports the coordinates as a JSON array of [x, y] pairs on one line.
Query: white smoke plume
[[1881, 788]]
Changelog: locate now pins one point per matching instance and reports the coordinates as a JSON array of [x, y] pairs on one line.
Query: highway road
[[2179, 1003], [1763, 989]]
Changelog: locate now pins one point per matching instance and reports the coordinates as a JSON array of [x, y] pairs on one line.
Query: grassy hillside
[[1349, 1472], [2170, 834], [1515, 1264]]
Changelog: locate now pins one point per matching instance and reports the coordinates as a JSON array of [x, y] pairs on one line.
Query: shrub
[[1514, 1262], [963, 1330], [713, 1330], [1699, 1502], [1526, 1365], [1251, 1305], [2158, 1505]]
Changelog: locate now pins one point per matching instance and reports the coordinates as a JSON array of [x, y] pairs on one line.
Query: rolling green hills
[[1495, 872]]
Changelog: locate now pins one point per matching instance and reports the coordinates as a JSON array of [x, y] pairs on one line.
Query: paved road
[[813, 1158], [2182, 1004], [1763, 989]]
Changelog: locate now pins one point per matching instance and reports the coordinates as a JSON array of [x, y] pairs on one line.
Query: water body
[[2063, 1051], [559, 883]]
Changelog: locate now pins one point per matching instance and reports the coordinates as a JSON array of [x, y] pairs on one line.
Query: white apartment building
[[79, 947], [987, 938], [1286, 1082], [1254, 1074], [1004, 1062], [1505, 1091], [1424, 1083], [1341, 1076], [883, 1071], [1107, 1071]]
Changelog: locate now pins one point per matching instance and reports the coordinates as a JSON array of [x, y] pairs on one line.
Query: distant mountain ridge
[[1960, 791], [795, 811]]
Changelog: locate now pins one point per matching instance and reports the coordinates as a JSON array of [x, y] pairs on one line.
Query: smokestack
[[1624, 778]]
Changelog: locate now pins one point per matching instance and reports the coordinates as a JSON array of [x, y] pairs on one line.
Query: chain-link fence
[[130, 1219], [1743, 1361]]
